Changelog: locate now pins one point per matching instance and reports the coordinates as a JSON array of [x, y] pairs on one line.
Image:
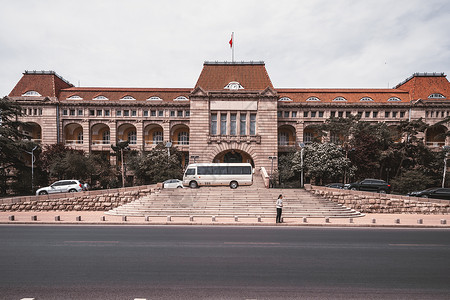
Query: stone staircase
[[245, 201]]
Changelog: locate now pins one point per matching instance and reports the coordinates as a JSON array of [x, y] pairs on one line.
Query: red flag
[[231, 41]]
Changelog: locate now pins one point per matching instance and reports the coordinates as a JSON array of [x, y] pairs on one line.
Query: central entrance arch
[[233, 156]]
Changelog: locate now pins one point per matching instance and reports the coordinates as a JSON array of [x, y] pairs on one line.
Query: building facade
[[232, 114]]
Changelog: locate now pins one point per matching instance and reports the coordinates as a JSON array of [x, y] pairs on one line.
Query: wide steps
[[245, 201]]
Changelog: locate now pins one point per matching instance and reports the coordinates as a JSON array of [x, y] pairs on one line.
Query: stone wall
[[100, 200], [367, 202]]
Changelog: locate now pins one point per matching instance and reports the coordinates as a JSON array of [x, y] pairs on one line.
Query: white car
[[62, 186], [173, 184]]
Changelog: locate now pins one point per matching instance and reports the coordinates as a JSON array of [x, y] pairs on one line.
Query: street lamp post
[[168, 145], [32, 168], [194, 157], [302, 151], [271, 170], [446, 150]]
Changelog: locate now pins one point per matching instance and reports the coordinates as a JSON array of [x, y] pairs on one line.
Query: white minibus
[[232, 174]]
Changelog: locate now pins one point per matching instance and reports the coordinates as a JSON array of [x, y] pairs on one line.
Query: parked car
[[370, 185], [173, 184], [336, 185], [437, 193], [61, 186]]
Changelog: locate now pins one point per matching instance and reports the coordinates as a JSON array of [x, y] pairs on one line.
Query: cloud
[[340, 43]]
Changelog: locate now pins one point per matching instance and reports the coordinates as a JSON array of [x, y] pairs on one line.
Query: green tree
[[412, 180], [368, 143], [156, 165], [14, 167], [323, 162]]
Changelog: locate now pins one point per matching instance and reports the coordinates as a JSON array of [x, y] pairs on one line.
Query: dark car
[[370, 185], [437, 193], [335, 185]]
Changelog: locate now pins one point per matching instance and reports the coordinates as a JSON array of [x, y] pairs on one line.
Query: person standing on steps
[[279, 205]]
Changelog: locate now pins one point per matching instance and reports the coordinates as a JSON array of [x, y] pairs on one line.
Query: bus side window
[[246, 170], [190, 172]]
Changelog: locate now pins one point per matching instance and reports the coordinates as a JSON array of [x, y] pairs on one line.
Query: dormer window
[[366, 99], [127, 98], [181, 98], [154, 98], [394, 99], [313, 99], [436, 96], [234, 86], [32, 94], [100, 98], [74, 97], [339, 99], [285, 99]]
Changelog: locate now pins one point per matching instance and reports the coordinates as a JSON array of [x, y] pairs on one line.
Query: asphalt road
[[171, 262]]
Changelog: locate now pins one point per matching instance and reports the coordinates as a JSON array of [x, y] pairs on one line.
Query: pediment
[[198, 91], [269, 92]]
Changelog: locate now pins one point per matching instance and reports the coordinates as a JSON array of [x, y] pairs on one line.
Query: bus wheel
[[193, 184], [234, 184]]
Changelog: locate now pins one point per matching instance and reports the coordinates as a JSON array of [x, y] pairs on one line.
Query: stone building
[[232, 114]]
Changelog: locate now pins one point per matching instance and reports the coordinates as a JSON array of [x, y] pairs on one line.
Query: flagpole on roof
[[232, 46]]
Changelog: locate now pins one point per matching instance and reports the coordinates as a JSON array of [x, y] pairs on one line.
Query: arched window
[[106, 137], [127, 98], [313, 99], [394, 99], [181, 98], [283, 138], [285, 99], [366, 99], [132, 138], [183, 138], [234, 85], [339, 99], [157, 137], [334, 138], [436, 96], [307, 137], [74, 97], [32, 94], [100, 97], [154, 98]]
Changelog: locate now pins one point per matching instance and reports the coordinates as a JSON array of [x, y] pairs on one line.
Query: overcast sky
[[304, 43]]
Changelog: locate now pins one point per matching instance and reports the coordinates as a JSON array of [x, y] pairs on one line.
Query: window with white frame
[[157, 137], [74, 97], [313, 99], [339, 99], [285, 99], [181, 98], [366, 99], [394, 99], [100, 97], [436, 96], [183, 138], [283, 138], [213, 124], [32, 94], [154, 98], [128, 98], [132, 138], [234, 85]]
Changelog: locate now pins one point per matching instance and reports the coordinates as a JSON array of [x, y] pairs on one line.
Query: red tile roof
[[217, 75], [351, 95], [422, 85], [115, 94], [46, 83]]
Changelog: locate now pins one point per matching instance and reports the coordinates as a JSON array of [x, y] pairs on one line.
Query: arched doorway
[[233, 156]]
